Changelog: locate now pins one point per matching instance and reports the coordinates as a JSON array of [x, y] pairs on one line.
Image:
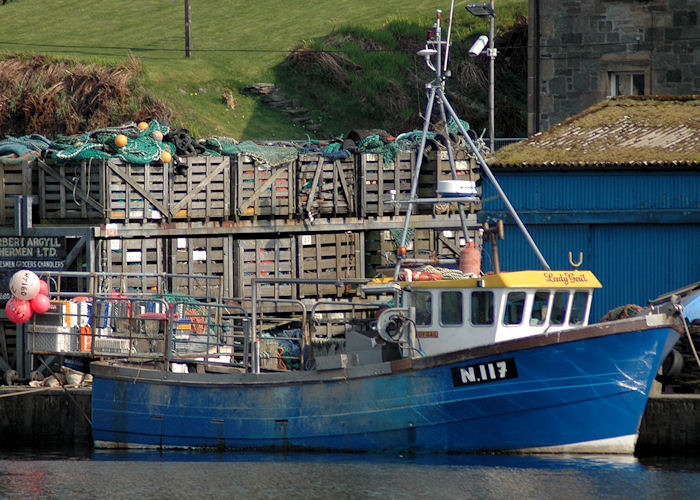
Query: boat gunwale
[[136, 372]]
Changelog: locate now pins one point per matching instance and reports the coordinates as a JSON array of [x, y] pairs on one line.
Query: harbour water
[[174, 475]]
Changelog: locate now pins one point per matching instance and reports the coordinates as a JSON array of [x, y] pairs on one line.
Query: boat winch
[[394, 325]]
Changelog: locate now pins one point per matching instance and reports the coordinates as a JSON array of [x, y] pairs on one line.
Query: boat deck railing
[[182, 332]]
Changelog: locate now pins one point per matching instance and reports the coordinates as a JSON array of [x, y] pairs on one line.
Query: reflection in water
[[178, 474]]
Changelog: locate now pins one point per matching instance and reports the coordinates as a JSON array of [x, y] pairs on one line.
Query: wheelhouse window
[[451, 308], [539, 308], [578, 308], [424, 308], [559, 304], [515, 305], [482, 308]]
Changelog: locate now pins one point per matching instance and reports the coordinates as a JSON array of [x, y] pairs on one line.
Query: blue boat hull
[[579, 392]]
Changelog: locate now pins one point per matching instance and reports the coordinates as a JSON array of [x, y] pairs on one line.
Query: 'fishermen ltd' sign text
[[36, 253]]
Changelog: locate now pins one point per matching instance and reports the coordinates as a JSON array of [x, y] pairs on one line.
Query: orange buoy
[[165, 157], [470, 259], [120, 141], [143, 125]]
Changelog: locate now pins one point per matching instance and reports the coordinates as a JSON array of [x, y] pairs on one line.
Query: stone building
[[581, 52]]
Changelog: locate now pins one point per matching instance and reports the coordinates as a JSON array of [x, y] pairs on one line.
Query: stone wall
[[44, 417], [581, 42], [670, 426]]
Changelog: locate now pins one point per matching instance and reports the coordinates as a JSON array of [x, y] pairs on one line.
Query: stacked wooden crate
[[269, 257], [15, 180], [201, 189], [264, 191], [382, 182], [191, 257], [423, 243], [326, 187], [71, 192], [147, 212]]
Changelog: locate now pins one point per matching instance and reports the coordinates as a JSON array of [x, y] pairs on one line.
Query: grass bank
[[234, 44]]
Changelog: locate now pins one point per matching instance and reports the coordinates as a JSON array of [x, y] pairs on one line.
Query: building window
[[626, 83]]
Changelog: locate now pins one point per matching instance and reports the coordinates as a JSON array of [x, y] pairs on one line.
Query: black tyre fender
[[672, 366]]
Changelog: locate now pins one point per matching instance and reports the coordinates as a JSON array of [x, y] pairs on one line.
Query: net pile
[[143, 146], [147, 142]]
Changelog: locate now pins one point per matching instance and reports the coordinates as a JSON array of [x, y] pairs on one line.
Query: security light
[[480, 9], [478, 45]]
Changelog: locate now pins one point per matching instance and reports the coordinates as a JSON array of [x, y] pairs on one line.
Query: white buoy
[[25, 284]]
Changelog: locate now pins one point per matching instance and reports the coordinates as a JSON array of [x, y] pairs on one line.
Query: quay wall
[[670, 425], [50, 417]]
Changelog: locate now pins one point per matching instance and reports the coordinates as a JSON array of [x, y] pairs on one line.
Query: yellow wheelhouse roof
[[518, 279]]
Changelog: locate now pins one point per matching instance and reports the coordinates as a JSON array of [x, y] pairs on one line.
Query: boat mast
[[436, 95]]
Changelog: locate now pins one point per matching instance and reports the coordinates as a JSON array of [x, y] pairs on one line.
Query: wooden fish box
[[71, 191], [326, 187], [134, 255], [329, 256], [381, 182], [136, 192], [262, 190], [15, 180], [421, 244], [264, 258], [203, 190], [202, 259]]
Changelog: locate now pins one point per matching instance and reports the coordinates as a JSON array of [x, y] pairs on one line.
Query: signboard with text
[[36, 253]]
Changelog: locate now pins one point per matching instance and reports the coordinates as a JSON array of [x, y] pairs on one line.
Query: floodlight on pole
[[487, 10]]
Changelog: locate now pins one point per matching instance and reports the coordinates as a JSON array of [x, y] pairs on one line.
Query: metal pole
[[492, 83], [496, 185], [188, 30]]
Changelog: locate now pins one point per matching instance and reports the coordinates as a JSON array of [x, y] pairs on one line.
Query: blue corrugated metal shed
[[637, 222]]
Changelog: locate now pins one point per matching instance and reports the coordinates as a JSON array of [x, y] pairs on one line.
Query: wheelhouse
[[458, 314]]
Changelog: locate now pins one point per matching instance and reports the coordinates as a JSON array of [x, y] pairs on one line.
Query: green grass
[[235, 44]]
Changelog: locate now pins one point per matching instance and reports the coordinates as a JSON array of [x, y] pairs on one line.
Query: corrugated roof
[[661, 131]]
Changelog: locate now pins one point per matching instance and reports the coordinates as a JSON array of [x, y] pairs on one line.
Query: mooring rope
[[23, 392], [679, 308]]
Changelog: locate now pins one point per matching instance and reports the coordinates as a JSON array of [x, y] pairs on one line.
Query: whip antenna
[[449, 35]]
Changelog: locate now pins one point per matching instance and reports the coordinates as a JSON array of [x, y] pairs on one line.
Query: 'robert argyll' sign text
[[36, 253], [32, 247]]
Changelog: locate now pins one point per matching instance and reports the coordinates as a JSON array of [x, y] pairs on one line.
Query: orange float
[[120, 141]]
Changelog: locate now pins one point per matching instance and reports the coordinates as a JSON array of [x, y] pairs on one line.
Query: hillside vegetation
[[351, 64]]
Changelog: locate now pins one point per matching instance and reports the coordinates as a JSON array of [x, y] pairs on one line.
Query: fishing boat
[[494, 373], [501, 362]]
